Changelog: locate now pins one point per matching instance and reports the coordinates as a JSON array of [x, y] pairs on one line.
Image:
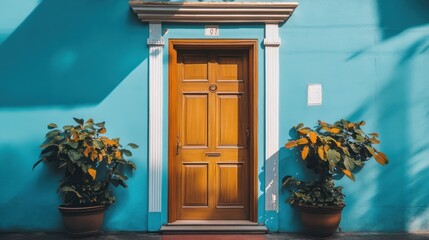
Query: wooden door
[[211, 161]]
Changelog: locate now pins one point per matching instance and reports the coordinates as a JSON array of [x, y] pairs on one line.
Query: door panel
[[231, 68], [195, 67], [195, 183], [230, 178], [212, 157], [231, 111], [195, 117]]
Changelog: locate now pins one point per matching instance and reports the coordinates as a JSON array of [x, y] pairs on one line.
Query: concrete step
[[217, 226], [212, 222]]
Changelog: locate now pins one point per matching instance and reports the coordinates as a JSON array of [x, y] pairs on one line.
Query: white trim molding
[[214, 12], [270, 13], [155, 43], [272, 43]]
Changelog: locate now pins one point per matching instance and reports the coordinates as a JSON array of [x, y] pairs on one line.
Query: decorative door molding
[[270, 13]]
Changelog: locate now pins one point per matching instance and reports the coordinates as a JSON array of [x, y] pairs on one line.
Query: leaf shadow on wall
[[70, 53], [398, 202]]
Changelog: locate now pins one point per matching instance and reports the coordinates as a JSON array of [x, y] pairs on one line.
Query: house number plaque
[[212, 31]]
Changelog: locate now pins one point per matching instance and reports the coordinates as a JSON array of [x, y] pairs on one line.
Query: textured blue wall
[[64, 59], [60, 59], [372, 58]]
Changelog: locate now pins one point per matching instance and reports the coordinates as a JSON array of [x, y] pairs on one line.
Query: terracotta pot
[[83, 221], [321, 221]]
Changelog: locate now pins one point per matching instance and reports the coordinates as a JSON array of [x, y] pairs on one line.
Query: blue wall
[[64, 59], [373, 64]]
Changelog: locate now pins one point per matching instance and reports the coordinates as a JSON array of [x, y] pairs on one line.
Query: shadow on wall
[[70, 53], [397, 201], [398, 16]]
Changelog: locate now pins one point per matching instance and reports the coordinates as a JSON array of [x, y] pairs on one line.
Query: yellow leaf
[[102, 130], [94, 155], [374, 134], [348, 174], [321, 123], [302, 141], [326, 148], [381, 158], [100, 157], [304, 152], [75, 137], [334, 130], [87, 151], [351, 125], [92, 172], [337, 143], [291, 144], [361, 123], [110, 142], [118, 154], [321, 153], [313, 137], [304, 131]]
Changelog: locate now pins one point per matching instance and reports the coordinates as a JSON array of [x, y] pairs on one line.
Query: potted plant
[[329, 150], [91, 163]]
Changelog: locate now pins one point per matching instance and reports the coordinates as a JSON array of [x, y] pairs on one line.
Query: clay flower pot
[[83, 221], [321, 221]]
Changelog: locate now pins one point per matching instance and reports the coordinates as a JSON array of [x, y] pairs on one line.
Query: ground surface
[[280, 236]]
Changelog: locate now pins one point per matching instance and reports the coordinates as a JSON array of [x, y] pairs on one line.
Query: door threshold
[[213, 227], [212, 223]]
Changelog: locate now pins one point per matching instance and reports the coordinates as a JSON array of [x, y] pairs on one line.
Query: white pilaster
[[272, 43], [155, 43]]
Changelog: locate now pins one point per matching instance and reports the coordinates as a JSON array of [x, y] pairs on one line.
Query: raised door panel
[[195, 184], [195, 68], [230, 185], [195, 119], [232, 121], [230, 68]]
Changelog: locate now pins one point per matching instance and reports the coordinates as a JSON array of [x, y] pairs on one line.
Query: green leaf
[[348, 163], [97, 186], [65, 189], [37, 163], [358, 163], [97, 144], [71, 168], [346, 151], [289, 181], [59, 138], [359, 138], [101, 124], [353, 147], [132, 165], [73, 144], [85, 168], [79, 121], [133, 146], [126, 152], [333, 156], [67, 127], [52, 133], [47, 145], [370, 150], [115, 182], [63, 164], [357, 130], [90, 121], [52, 125], [74, 155]]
